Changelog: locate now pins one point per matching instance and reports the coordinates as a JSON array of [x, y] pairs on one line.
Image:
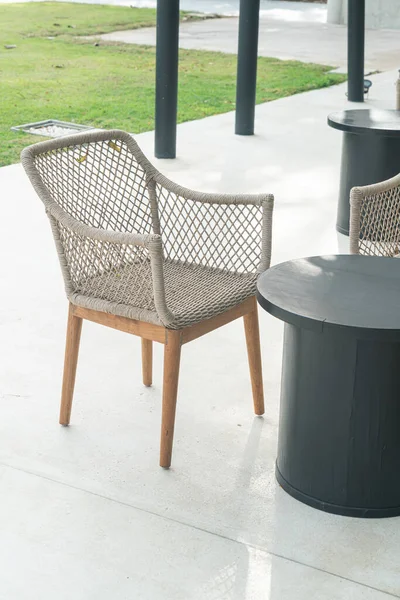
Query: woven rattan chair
[[375, 219], [145, 256]]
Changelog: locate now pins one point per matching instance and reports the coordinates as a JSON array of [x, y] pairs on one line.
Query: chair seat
[[193, 293]]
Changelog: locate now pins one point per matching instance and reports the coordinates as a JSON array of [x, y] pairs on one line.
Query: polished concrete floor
[[285, 33], [85, 511]]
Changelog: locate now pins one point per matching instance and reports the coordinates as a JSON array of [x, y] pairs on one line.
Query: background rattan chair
[[143, 255], [375, 219]]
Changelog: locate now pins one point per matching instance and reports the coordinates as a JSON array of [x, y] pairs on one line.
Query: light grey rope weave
[[133, 243], [375, 219]]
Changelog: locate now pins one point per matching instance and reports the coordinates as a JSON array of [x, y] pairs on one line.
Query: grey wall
[[380, 14]]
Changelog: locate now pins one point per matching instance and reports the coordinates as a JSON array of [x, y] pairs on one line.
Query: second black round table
[[339, 432], [370, 153]]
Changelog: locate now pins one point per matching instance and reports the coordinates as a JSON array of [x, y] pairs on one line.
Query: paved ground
[[223, 7], [85, 512], [288, 30], [231, 7], [284, 33]]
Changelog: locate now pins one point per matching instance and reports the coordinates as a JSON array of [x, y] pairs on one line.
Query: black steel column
[[166, 78], [247, 66], [355, 49]]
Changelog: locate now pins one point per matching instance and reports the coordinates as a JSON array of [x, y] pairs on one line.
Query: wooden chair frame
[[173, 341]]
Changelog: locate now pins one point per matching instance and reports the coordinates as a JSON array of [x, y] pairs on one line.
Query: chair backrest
[[375, 219], [98, 178], [98, 192]]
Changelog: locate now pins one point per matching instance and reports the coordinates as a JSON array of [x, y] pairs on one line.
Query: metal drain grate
[[51, 128]]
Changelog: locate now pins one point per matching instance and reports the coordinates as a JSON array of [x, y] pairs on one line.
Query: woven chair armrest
[[212, 198], [379, 195], [221, 223], [152, 243], [375, 188]]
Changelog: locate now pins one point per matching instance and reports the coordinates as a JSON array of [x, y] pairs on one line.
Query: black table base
[[365, 160], [339, 436], [371, 150]]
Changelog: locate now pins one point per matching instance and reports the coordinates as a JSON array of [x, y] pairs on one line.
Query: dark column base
[[339, 435], [366, 159], [334, 509]]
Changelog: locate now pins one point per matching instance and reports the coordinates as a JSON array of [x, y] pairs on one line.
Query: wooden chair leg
[[147, 362], [254, 353], [172, 356], [74, 327]]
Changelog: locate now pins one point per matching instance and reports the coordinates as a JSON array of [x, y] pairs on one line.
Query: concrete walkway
[[288, 30], [298, 10], [284, 33], [310, 11], [85, 511]]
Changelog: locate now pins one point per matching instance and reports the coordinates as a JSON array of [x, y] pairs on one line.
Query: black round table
[[339, 432], [370, 153]]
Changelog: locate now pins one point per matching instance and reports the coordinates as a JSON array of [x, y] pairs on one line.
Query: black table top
[[357, 293], [370, 121]]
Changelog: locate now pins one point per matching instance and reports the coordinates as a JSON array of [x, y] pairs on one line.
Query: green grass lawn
[[112, 85]]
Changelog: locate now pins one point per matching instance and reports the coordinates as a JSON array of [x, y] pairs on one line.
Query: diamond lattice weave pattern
[[114, 272], [99, 184], [220, 236], [134, 244], [380, 224]]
